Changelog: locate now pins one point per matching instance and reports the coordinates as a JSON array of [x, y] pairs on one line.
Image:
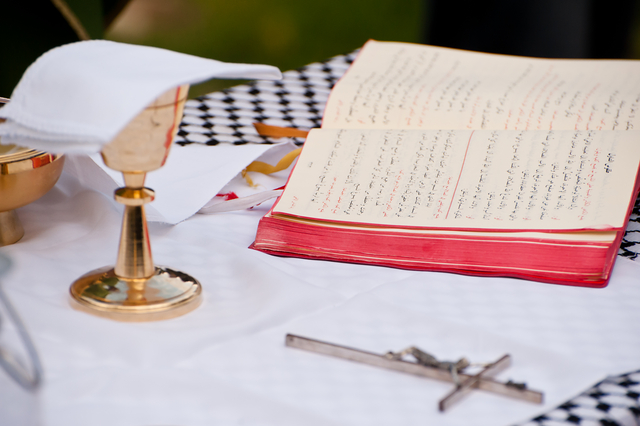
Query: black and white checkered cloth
[[298, 101], [613, 402], [630, 247]]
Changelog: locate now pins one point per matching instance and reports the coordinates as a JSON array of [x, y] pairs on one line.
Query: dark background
[[292, 33]]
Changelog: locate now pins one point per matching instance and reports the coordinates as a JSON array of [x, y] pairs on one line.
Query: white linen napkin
[[190, 178], [78, 97]]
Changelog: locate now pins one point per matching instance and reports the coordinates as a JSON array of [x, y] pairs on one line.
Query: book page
[[403, 85], [462, 179]]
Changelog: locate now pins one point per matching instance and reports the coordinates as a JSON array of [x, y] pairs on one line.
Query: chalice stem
[[134, 254]]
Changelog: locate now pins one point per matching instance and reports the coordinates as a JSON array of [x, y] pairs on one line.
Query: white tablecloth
[[226, 363]]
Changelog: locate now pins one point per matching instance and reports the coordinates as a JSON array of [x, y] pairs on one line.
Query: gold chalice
[[135, 289], [25, 175]]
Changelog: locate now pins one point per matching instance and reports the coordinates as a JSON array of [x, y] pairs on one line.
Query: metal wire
[[28, 378]]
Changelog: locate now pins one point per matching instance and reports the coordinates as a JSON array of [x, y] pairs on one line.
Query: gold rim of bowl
[[15, 159]]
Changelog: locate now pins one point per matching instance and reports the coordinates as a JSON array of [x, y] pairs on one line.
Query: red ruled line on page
[[460, 175]]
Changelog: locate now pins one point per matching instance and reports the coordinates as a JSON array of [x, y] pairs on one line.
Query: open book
[[439, 159]]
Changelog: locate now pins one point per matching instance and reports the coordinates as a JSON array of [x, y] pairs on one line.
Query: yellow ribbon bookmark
[[279, 132], [267, 169], [285, 162]]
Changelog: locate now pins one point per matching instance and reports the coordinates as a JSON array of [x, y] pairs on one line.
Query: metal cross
[[427, 365]]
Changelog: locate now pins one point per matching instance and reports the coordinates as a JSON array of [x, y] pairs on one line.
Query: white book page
[[462, 179], [403, 85]]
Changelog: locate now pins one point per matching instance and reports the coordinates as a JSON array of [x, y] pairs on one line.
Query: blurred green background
[[284, 33]]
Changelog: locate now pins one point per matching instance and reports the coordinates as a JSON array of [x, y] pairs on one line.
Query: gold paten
[[135, 289], [25, 176]]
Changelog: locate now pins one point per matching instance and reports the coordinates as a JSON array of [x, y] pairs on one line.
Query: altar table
[[226, 363]]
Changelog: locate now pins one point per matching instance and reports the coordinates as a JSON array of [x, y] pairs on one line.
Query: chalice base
[[166, 294], [11, 229]]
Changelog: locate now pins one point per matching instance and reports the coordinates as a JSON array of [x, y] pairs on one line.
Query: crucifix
[[426, 365]]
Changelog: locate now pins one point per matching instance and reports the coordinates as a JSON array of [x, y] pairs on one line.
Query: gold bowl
[[25, 175]]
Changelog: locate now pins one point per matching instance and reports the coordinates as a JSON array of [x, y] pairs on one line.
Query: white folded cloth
[[78, 97]]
